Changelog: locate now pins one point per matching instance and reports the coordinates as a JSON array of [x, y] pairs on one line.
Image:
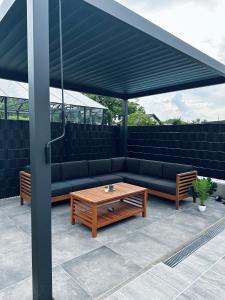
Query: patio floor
[[121, 256]]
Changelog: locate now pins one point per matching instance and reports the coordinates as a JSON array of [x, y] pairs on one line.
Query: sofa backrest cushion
[[56, 172], [99, 167], [151, 168], [170, 170], [132, 165], [74, 169], [118, 164]]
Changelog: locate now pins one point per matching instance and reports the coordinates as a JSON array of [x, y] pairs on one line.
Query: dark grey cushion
[[99, 167], [163, 185], [170, 170], [74, 169], [133, 165], [118, 164], [151, 168], [108, 178], [65, 187], [56, 172], [158, 184]]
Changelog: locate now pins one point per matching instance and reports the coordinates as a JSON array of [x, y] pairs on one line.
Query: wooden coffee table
[[95, 208]]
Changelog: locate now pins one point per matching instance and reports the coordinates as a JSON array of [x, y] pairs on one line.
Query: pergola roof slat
[[107, 50]]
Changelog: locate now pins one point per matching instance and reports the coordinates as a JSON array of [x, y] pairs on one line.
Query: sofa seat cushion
[[65, 187], [157, 184], [108, 179]]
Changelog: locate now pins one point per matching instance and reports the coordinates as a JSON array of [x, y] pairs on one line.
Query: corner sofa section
[[166, 180]]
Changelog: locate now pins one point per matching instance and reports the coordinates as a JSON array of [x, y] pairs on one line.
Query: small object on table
[[109, 188]]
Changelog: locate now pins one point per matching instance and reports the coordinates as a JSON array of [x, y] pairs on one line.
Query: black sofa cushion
[[65, 187], [56, 172], [108, 178], [132, 165], [118, 164], [170, 170], [163, 185], [74, 169], [151, 168], [99, 167], [158, 184]]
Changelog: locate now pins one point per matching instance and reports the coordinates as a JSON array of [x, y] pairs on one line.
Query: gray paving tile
[[172, 237], [148, 287], [220, 267], [13, 207], [23, 221], [203, 290], [5, 222], [188, 221], [217, 280], [117, 296], [100, 270], [64, 288], [121, 229], [68, 246], [187, 272], [13, 239], [139, 248], [170, 276], [199, 263], [14, 267]]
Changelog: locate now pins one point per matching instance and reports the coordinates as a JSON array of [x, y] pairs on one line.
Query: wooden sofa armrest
[[184, 182], [25, 186]]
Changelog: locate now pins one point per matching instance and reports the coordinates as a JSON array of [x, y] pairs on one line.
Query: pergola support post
[[124, 127], [38, 72], [5, 108]]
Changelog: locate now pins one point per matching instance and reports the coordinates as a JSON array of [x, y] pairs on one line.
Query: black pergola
[[107, 50]]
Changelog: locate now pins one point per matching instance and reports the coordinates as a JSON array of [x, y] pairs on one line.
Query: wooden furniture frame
[[25, 190], [95, 208], [183, 184]]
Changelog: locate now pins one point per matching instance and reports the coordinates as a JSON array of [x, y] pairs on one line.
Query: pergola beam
[[38, 72], [124, 127]]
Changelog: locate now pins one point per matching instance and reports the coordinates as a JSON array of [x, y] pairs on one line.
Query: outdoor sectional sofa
[[166, 180]]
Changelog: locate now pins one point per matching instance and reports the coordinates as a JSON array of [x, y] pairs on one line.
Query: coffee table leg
[[94, 220], [145, 200], [72, 210]]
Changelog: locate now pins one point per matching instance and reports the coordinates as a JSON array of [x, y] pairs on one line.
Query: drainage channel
[[197, 243]]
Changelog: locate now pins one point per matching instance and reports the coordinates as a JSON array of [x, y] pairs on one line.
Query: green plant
[[203, 188]]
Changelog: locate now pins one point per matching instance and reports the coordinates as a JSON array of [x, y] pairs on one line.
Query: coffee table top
[[98, 194]]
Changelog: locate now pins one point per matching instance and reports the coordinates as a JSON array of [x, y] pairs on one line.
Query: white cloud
[[201, 23]]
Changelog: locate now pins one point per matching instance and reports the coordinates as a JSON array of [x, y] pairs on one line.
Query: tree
[[139, 118], [175, 121], [114, 114]]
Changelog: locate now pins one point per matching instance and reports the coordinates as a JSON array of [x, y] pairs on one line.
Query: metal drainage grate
[[213, 231]]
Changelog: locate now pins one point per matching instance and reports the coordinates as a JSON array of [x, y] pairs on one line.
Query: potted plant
[[202, 188]]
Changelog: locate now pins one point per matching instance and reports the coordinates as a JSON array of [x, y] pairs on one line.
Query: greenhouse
[[80, 109]]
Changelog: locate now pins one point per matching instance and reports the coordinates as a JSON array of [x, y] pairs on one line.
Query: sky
[[201, 23]]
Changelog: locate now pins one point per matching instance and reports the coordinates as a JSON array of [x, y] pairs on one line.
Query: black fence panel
[[202, 145], [81, 142]]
